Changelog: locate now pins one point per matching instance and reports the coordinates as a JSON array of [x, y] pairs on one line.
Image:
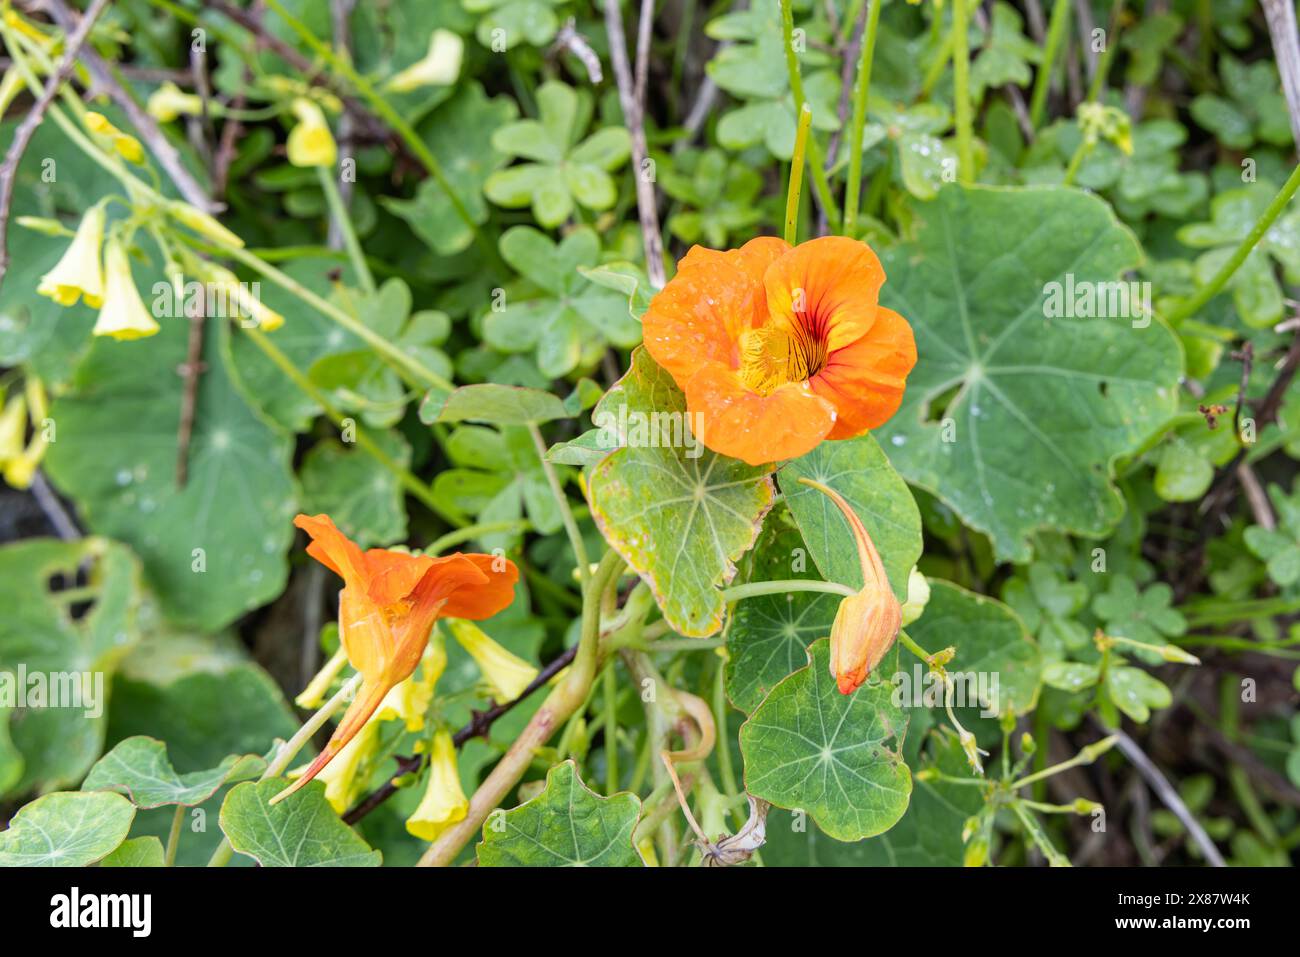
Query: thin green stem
[[1076, 160], [961, 92], [408, 479], [723, 750], [782, 586], [794, 191], [1056, 30], [609, 683], [1262, 226], [408, 367], [174, 837], [339, 211], [289, 750], [816, 160], [853, 187], [469, 532], [562, 500]]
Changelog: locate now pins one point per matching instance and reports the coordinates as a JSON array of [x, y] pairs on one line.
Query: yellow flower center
[[770, 357]]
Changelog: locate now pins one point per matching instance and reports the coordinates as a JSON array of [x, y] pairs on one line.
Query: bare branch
[[1280, 15]]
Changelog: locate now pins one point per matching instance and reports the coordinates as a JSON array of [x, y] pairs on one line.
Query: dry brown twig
[[634, 116]]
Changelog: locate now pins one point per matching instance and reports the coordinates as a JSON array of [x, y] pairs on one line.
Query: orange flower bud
[[867, 623]]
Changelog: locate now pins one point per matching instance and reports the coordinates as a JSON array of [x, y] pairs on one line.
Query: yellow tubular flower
[[169, 101], [507, 674], [867, 623], [440, 66], [123, 315], [78, 273], [313, 696], [409, 701], [203, 224], [9, 88], [239, 300], [340, 775], [127, 146], [444, 802], [20, 470], [310, 142], [13, 426]]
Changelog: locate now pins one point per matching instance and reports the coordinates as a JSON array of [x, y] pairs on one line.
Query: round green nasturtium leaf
[[567, 825], [215, 548], [860, 472], [137, 852], [139, 768], [1011, 417], [928, 835], [810, 748], [769, 635], [46, 651], [994, 651], [300, 831], [679, 514], [66, 829]]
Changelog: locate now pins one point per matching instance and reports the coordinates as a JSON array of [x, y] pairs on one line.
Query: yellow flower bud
[[241, 300], [78, 273], [20, 470], [918, 593], [409, 700], [203, 224], [127, 146], [123, 315], [867, 623], [507, 675], [444, 801], [440, 66], [313, 696], [310, 142], [10, 87], [169, 101]]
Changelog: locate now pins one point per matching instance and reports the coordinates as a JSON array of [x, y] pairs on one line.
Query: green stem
[[409, 368], [1076, 160], [609, 682], [782, 586], [469, 532], [566, 513], [389, 114], [961, 93], [289, 750], [723, 750], [408, 480], [794, 192], [1262, 225], [853, 188], [1042, 82], [817, 161], [174, 837], [339, 210]]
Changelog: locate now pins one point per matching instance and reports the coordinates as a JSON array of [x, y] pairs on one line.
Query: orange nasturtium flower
[[778, 347], [387, 608]]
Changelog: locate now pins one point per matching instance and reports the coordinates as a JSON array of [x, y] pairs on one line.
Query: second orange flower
[[778, 347]]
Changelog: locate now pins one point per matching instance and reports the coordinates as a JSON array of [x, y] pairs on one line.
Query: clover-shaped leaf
[[459, 134], [1135, 692], [1253, 110], [505, 23], [719, 196], [573, 319], [1048, 604], [1144, 616], [1279, 547], [562, 169]]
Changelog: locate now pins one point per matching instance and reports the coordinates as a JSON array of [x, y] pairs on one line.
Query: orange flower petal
[[755, 428], [394, 575], [470, 585], [826, 289], [714, 297], [332, 548], [865, 380]]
